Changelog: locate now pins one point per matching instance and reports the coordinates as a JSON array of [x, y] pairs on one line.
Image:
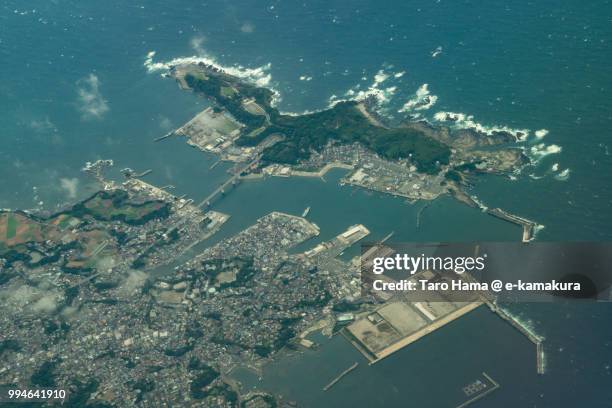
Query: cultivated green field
[[11, 226]]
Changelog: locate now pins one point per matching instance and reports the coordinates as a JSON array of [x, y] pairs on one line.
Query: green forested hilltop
[[343, 123]]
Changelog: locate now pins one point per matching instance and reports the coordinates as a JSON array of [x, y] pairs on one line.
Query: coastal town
[[107, 333], [89, 307]]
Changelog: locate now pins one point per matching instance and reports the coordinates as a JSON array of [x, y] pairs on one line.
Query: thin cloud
[[91, 102], [247, 28], [70, 185]]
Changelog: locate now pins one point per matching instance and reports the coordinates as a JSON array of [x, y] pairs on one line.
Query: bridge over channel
[[232, 180]]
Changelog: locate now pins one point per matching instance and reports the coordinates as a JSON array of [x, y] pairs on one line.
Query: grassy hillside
[[343, 123]]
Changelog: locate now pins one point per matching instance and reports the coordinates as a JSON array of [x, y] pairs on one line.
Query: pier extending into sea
[[521, 327], [537, 340], [339, 377], [527, 225]]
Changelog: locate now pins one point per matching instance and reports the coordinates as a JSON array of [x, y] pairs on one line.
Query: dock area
[[334, 247], [138, 185], [402, 320], [398, 324], [209, 131], [286, 171], [438, 323]]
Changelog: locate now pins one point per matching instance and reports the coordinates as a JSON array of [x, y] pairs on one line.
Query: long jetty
[[534, 338], [528, 225], [369, 254], [167, 135], [339, 377], [489, 300], [144, 173]]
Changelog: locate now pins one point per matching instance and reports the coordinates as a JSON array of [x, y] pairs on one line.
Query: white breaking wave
[[463, 121], [563, 175], [422, 100], [380, 77], [259, 76], [536, 230], [542, 150], [375, 90], [436, 52], [304, 112]]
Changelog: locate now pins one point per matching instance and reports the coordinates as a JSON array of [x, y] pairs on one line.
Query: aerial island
[[412, 159], [89, 307]]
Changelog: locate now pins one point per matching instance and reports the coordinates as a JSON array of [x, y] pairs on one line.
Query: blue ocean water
[[73, 88]]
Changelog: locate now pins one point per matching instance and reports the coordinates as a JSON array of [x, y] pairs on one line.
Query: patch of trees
[[179, 351], [345, 124], [204, 375], [79, 394], [142, 386], [308, 132], [244, 265], [344, 306], [286, 332], [44, 376], [6, 276], [120, 202], [7, 345]]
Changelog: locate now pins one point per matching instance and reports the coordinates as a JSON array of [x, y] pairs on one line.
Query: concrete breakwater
[[527, 225], [339, 377], [521, 327]]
